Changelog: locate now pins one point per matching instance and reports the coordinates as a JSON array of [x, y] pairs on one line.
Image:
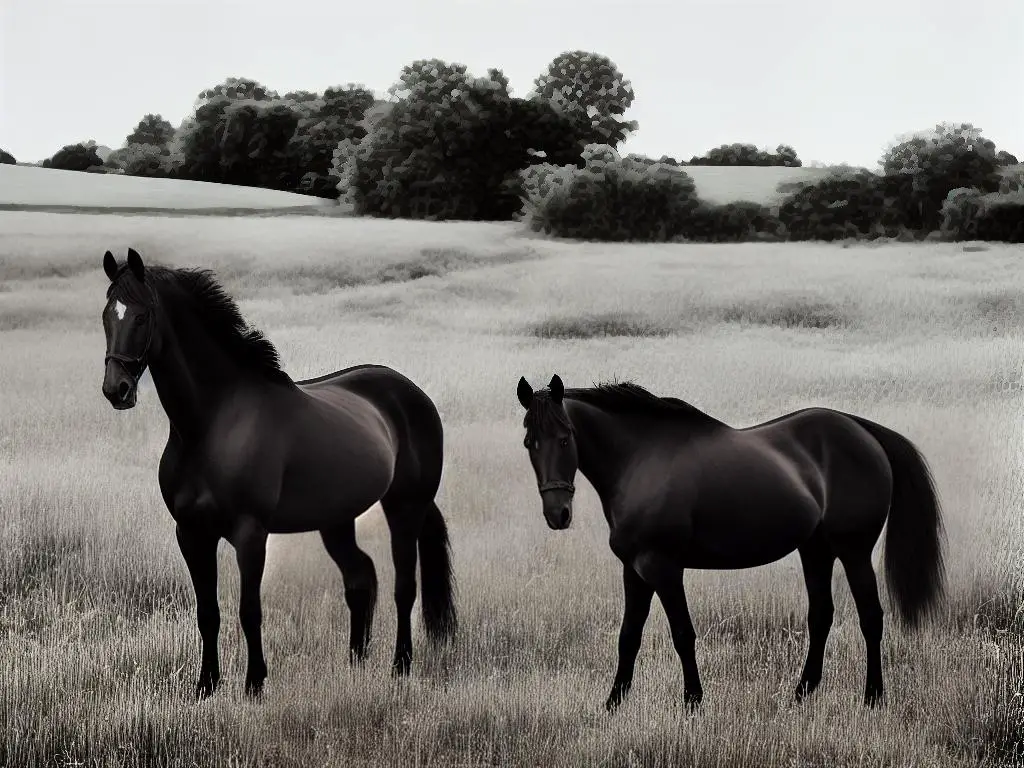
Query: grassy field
[[98, 647], [29, 187]]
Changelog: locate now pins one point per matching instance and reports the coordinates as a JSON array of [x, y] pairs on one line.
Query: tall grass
[[98, 648]]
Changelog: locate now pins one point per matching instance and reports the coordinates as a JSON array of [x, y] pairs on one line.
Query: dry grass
[[98, 648]]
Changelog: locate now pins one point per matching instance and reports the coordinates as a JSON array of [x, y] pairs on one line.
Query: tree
[[592, 92], [152, 129], [141, 160], [236, 88], [787, 156], [253, 140], [433, 80], [74, 157], [1005, 158], [450, 147], [931, 164], [324, 123], [6, 158], [301, 97]]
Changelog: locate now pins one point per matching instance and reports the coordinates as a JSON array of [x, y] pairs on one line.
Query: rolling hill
[[27, 187]]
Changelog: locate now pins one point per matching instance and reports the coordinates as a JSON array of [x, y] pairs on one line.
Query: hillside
[[30, 187], [34, 187], [725, 184]]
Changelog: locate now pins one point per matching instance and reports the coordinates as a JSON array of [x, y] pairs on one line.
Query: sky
[[838, 81]]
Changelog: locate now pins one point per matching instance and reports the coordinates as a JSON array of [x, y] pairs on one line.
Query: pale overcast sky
[[836, 80]]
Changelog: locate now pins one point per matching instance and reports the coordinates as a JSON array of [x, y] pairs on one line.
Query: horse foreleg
[[199, 548], [667, 581], [250, 541], [638, 595]]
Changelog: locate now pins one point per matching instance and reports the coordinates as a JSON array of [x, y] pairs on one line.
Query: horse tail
[[437, 577], [914, 569]]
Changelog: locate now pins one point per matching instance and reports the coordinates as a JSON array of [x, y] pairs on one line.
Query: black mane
[[217, 311], [625, 397]]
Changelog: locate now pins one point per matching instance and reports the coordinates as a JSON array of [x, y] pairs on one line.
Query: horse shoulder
[[186, 496]]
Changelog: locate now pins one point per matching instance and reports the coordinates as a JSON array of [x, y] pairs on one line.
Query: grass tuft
[[596, 326]]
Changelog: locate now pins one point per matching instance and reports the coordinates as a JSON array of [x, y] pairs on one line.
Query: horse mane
[[629, 398], [542, 415], [217, 311]]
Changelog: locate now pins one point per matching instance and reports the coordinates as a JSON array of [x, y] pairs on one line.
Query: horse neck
[[608, 444], [603, 446], [192, 373]]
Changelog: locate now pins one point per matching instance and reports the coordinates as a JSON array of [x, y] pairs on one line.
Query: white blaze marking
[[120, 309]]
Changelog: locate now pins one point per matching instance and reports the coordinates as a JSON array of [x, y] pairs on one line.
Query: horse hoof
[[401, 666], [803, 691], [873, 698], [692, 699], [205, 686]]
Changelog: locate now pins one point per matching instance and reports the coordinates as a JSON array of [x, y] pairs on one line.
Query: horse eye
[[564, 442]]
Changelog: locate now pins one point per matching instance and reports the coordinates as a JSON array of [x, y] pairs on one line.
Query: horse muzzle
[[119, 387], [557, 496]]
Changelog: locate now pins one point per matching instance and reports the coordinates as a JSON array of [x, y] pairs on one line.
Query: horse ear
[[135, 265], [525, 392], [557, 388], [110, 265]]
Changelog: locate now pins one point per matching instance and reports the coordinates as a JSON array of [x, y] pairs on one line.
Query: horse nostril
[[565, 515], [124, 390]]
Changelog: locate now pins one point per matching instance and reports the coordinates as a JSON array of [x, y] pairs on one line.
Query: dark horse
[[683, 490], [250, 452]]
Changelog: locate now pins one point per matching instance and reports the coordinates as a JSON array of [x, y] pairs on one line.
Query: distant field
[[28, 188], [725, 184], [31, 187], [98, 646]]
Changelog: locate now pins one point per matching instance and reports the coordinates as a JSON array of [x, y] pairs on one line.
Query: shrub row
[[616, 199]]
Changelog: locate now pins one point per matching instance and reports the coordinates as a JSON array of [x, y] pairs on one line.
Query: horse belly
[[747, 530], [322, 490]]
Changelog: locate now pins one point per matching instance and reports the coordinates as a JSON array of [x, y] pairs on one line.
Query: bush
[[951, 157], [960, 213], [6, 158], [1011, 180], [1002, 218], [734, 222], [74, 157], [319, 185], [848, 203], [147, 160], [749, 155], [611, 199]]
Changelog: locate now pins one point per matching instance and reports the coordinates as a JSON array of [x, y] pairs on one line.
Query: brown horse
[[682, 490], [250, 453]]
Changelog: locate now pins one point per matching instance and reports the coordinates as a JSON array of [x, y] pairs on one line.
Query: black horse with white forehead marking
[[251, 452]]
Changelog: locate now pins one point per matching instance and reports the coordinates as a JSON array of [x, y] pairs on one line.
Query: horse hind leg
[[817, 560], [404, 522], [861, 576], [360, 579]]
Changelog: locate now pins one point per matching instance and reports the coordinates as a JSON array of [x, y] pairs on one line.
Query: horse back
[[410, 416]]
